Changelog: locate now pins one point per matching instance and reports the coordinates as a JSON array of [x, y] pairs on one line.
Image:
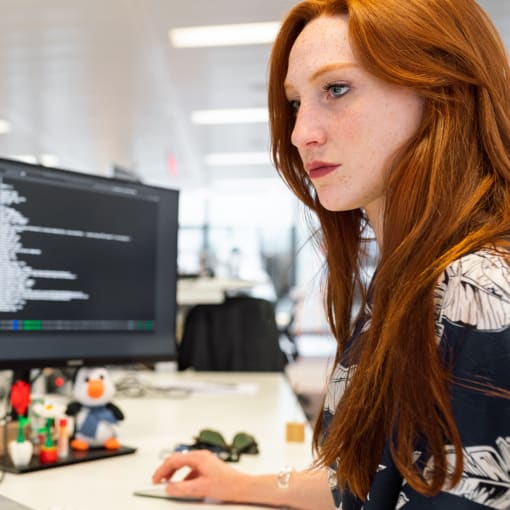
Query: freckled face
[[348, 123]]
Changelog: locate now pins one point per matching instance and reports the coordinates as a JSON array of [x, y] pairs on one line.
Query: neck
[[375, 218]]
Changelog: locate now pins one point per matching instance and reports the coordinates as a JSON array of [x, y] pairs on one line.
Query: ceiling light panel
[[224, 35], [5, 126]]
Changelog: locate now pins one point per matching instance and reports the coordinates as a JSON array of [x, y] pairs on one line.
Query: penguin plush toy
[[96, 417]]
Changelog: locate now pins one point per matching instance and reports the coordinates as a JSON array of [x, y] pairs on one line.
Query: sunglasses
[[213, 441]]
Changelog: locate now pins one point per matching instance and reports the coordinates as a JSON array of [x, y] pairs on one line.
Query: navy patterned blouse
[[473, 322]]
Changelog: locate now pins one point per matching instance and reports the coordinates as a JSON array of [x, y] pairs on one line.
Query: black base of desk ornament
[[74, 457]]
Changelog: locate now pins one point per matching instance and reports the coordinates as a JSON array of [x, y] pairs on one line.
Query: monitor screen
[[88, 269]]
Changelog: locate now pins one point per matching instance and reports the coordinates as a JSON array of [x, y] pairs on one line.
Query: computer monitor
[[88, 269]]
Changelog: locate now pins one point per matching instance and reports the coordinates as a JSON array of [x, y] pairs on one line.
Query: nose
[[308, 129]]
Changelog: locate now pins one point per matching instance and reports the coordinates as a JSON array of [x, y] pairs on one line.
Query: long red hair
[[448, 193]]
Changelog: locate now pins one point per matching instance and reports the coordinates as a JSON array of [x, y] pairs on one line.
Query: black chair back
[[239, 334]]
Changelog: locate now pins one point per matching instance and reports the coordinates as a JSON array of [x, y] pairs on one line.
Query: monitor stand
[[74, 457]]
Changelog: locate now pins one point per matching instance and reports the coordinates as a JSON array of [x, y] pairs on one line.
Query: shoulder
[[336, 387], [486, 269], [474, 291]]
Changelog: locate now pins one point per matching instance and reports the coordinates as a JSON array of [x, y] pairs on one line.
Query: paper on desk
[[207, 387]]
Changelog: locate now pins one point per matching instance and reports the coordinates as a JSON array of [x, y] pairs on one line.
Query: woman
[[395, 116]]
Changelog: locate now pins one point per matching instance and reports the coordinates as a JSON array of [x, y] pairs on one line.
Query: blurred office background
[[116, 87]]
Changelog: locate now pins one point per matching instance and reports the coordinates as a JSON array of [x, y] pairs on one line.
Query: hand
[[209, 477]]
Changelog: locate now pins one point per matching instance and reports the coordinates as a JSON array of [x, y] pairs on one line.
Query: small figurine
[[96, 417], [48, 452], [20, 449], [49, 411]]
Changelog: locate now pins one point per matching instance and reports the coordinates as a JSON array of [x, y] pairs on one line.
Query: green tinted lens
[[211, 437], [242, 441]]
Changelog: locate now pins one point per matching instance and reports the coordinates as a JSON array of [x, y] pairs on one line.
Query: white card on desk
[[158, 491]]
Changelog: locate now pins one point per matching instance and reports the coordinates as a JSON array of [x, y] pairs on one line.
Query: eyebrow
[[332, 66]]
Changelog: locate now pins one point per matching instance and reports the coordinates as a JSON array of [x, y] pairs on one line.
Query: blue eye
[[294, 105], [337, 89]]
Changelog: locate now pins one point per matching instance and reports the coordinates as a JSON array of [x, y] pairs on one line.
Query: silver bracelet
[[284, 476]]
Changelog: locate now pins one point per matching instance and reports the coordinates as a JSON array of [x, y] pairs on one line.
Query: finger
[[165, 470], [173, 463]]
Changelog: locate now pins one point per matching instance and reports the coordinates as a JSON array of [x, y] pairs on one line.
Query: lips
[[318, 169]]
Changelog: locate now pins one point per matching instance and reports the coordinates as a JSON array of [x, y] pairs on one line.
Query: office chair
[[239, 334]]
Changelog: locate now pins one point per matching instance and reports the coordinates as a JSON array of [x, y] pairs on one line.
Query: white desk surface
[[262, 406]]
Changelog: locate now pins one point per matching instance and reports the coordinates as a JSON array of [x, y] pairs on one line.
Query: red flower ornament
[[20, 397]]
